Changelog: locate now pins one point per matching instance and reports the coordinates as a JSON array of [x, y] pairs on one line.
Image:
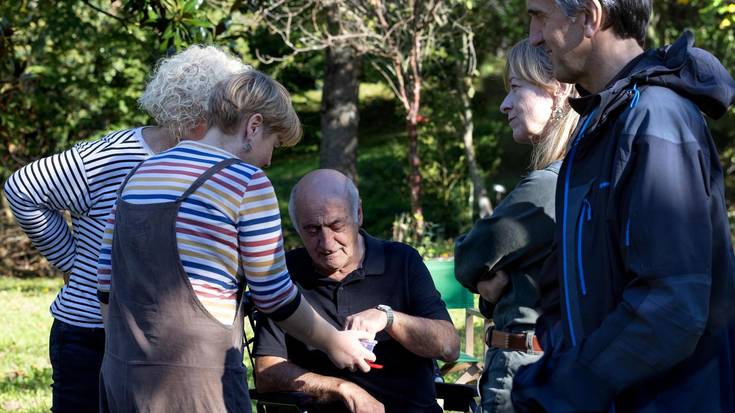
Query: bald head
[[320, 186]]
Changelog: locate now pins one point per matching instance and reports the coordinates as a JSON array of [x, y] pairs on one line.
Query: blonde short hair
[[244, 94], [531, 63], [178, 91]]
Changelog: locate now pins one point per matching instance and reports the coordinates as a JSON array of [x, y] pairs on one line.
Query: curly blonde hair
[[532, 64], [177, 94]]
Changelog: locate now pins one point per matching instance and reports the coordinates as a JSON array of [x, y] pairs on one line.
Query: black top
[[392, 273], [516, 238]]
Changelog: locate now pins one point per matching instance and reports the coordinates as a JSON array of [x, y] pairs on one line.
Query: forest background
[[402, 95]]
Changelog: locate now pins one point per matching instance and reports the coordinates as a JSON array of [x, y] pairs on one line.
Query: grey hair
[[352, 196], [177, 94], [628, 18], [571, 7]]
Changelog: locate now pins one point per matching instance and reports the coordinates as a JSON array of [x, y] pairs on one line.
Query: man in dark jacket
[[645, 259]]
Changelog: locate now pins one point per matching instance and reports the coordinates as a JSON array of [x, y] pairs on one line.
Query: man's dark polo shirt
[[392, 274]]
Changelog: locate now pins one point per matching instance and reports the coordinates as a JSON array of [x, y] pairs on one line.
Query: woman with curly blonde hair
[[501, 258], [83, 181]]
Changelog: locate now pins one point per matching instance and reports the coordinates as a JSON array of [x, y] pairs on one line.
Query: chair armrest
[[460, 397], [284, 398], [475, 312]]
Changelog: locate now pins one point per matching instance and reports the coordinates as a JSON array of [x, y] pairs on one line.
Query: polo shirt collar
[[374, 261]]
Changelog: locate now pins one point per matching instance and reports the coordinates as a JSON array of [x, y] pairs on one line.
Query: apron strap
[[206, 175], [126, 179]]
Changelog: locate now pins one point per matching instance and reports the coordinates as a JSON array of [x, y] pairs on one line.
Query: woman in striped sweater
[[83, 181], [193, 227]]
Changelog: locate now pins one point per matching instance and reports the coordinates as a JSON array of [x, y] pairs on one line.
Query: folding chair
[[455, 296]]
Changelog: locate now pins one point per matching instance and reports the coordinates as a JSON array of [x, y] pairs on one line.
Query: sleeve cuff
[[270, 352], [285, 311]]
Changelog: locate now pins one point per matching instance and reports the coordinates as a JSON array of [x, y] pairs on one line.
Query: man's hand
[[358, 400], [492, 288], [371, 320]]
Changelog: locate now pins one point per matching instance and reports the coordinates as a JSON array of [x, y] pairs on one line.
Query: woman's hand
[[492, 288], [346, 351], [342, 347]]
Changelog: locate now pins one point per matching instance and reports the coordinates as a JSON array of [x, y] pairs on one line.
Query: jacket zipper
[[586, 210], [565, 271]]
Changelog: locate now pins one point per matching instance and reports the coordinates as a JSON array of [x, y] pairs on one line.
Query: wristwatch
[[388, 312]]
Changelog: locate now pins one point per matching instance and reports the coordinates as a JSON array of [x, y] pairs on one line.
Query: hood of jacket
[[689, 71]]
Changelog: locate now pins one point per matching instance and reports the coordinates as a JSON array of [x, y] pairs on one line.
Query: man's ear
[[593, 18], [359, 214]]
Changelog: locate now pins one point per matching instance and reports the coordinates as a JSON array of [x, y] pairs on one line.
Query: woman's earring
[[557, 113], [248, 147]]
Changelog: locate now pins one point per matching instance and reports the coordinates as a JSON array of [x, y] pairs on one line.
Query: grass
[[25, 370], [25, 323]]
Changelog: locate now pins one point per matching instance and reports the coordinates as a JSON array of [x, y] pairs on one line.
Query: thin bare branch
[[391, 83], [125, 22]]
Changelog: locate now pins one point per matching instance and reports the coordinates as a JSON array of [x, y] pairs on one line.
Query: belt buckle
[[489, 336]]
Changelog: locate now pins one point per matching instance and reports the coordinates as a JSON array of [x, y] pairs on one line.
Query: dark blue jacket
[[645, 259]]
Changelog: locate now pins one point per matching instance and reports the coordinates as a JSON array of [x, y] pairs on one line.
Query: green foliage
[[72, 70], [713, 23], [431, 243], [67, 74], [180, 22], [710, 20]]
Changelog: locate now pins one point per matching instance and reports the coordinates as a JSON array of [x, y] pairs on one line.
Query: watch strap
[[388, 313]]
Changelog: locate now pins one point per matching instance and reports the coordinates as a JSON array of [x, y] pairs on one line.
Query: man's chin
[[331, 265], [562, 73]]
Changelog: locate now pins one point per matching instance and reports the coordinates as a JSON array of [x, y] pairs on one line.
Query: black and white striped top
[[83, 181]]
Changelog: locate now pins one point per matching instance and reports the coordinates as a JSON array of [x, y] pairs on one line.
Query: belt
[[511, 341]]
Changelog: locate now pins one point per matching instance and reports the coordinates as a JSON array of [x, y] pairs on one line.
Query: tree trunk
[[339, 112], [414, 177], [412, 130], [479, 192]]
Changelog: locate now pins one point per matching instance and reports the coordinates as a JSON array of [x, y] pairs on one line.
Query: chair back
[[453, 293], [455, 296]]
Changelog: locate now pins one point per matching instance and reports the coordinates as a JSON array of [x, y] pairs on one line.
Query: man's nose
[[535, 34], [326, 240]]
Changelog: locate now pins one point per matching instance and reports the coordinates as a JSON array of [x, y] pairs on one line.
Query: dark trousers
[[76, 356]]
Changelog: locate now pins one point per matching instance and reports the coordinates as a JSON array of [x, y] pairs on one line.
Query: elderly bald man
[[356, 281]]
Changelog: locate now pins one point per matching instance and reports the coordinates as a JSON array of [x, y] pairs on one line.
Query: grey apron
[[164, 351]]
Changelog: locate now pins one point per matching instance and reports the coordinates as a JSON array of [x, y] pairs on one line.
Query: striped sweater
[[228, 228], [83, 181]]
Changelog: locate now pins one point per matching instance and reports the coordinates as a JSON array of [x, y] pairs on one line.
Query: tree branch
[[124, 22]]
